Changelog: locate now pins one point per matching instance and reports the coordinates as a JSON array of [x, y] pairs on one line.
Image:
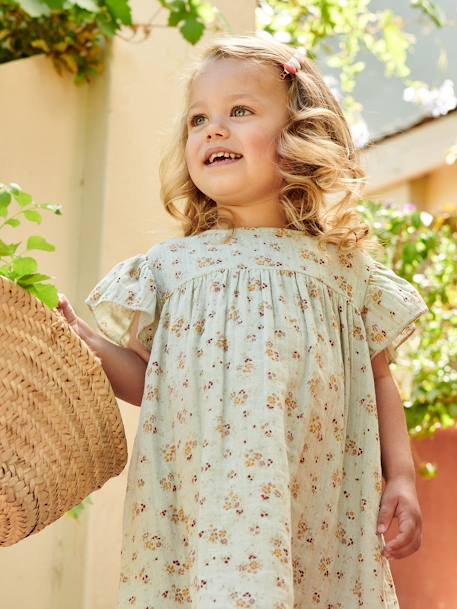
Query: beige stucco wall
[[96, 150]]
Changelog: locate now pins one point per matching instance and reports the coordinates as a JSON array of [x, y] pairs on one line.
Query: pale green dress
[[255, 477]]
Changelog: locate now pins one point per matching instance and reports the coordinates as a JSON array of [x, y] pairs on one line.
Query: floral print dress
[[255, 477]]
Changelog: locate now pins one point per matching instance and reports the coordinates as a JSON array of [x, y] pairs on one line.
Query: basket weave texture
[[61, 431]]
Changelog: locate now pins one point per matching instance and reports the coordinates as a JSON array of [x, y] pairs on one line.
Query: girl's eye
[[242, 108], [195, 120]]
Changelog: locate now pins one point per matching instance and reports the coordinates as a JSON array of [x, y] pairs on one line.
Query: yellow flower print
[[298, 570], [255, 285], [333, 383], [270, 352], [255, 458], [190, 444], [265, 261], [239, 397], [171, 483], [152, 542], [346, 259], [242, 601], [169, 453], [222, 342], [248, 366], [206, 261], [181, 595], [303, 530], [351, 448], [280, 550], [315, 427], [338, 430], [342, 535], [375, 294], [178, 326], [251, 566], [264, 306], [268, 490], [232, 502], [150, 424], [377, 335], [143, 576], [199, 326], [358, 333], [223, 428], [337, 478], [273, 401], [291, 403]]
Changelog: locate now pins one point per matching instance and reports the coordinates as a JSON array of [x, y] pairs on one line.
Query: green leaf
[[192, 30], [13, 222], [55, 5], [107, 26], [46, 293], [5, 198], [120, 10], [176, 17], [33, 216], [52, 207], [88, 5], [8, 249], [23, 198], [24, 266], [416, 219], [27, 280], [34, 8], [35, 242]]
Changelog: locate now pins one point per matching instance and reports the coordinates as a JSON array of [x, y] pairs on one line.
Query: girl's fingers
[[407, 550]]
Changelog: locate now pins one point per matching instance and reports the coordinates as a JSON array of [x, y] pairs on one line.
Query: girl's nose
[[216, 128]]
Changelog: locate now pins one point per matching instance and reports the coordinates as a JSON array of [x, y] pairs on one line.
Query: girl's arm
[[396, 457], [124, 368], [399, 498]]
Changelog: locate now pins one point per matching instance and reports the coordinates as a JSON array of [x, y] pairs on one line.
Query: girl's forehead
[[228, 74]]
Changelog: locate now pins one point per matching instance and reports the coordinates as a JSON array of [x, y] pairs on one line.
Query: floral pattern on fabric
[[255, 477]]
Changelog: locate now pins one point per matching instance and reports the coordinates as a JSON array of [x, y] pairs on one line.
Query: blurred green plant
[[15, 266], [339, 31], [74, 33], [422, 248]]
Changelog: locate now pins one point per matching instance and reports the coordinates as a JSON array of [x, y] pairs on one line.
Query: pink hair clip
[[294, 63]]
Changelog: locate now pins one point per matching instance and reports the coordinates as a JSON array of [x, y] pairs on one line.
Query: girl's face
[[240, 107]]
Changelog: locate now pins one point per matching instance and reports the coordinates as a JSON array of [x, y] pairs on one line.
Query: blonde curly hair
[[316, 154]]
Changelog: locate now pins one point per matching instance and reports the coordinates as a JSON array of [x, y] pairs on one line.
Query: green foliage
[[339, 31], [74, 33], [73, 38], [14, 265], [423, 249]]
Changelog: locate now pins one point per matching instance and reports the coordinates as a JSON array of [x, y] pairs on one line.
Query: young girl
[[258, 346]]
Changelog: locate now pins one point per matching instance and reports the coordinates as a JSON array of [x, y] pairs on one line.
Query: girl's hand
[[399, 500], [78, 325]]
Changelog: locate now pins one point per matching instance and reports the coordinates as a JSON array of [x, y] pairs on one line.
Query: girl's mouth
[[222, 161]]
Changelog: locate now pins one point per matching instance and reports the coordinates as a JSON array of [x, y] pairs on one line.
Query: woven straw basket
[[61, 432]]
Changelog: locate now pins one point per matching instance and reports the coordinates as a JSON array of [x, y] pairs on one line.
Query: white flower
[[437, 101]]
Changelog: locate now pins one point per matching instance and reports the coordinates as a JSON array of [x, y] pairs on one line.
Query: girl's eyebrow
[[231, 96]]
